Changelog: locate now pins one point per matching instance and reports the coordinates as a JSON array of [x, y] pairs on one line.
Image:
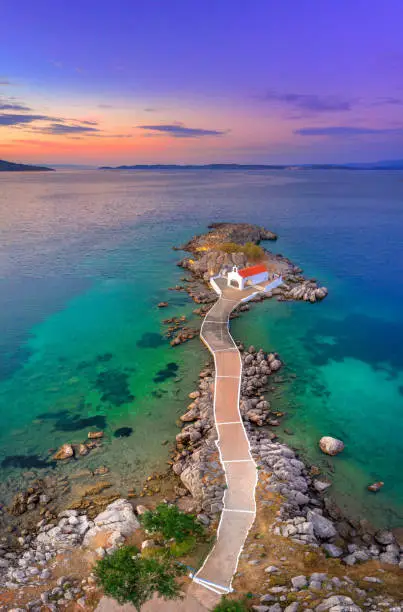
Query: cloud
[[17, 119], [105, 106], [345, 131], [312, 103], [62, 129], [150, 110], [177, 130], [88, 122], [4, 82], [389, 100], [12, 106]]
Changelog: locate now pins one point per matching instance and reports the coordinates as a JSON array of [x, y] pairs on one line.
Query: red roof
[[252, 271]]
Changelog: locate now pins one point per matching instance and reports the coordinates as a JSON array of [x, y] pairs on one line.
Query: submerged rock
[[376, 486], [95, 435], [65, 452], [331, 446]]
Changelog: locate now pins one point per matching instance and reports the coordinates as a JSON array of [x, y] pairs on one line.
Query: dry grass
[[298, 560]]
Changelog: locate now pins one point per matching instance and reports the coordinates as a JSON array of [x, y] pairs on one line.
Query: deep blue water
[[85, 256]]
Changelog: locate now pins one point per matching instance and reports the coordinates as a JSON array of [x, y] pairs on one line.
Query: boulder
[[376, 486], [331, 446], [95, 435], [321, 485], [333, 550], [117, 522], [191, 477], [299, 582], [66, 451], [342, 602], [384, 537], [322, 527]]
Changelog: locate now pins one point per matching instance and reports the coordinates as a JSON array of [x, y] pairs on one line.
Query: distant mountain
[[381, 165], [6, 166], [218, 167], [390, 164]]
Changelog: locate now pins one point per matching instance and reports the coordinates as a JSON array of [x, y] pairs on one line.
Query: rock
[[45, 574], [372, 579], [321, 485], [384, 537], [337, 600], [66, 451], [350, 559], [389, 557], [83, 450], [331, 446], [299, 582], [95, 435], [192, 479], [322, 527], [203, 519], [162, 304], [140, 509], [148, 544], [272, 569], [101, 470], [275, 365], [293, 607], [376, 486], [118, 521], [194, 394], [318, 576], [333, 550]]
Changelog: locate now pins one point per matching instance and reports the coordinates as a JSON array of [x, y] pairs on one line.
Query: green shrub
[[230, 605], [180, 549], [128, 577], [230, 247], [171, 523], [253, 251]]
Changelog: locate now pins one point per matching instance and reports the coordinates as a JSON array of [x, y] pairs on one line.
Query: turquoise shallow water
[[84, 259]]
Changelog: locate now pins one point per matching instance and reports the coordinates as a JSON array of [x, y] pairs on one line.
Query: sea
[[86, 256]]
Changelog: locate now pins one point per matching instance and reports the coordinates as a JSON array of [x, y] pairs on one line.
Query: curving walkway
[[240, 469]]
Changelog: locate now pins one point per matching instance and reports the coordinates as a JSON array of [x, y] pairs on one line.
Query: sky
[[198, 81]]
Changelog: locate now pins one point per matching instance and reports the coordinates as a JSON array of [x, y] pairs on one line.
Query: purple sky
[[198, 81]]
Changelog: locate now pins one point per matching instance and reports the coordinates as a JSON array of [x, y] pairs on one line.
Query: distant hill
[[6, 166], [219, 167], [381, 165], [389, 164]]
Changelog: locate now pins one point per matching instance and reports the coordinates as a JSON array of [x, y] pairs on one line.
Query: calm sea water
[[86, 256]]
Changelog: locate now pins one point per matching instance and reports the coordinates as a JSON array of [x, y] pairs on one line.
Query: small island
[[6, 166]]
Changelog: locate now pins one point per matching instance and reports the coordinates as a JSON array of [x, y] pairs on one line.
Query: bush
[[171, 523], [180, 549], [252, 251], [128, 577], [230, 605]]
